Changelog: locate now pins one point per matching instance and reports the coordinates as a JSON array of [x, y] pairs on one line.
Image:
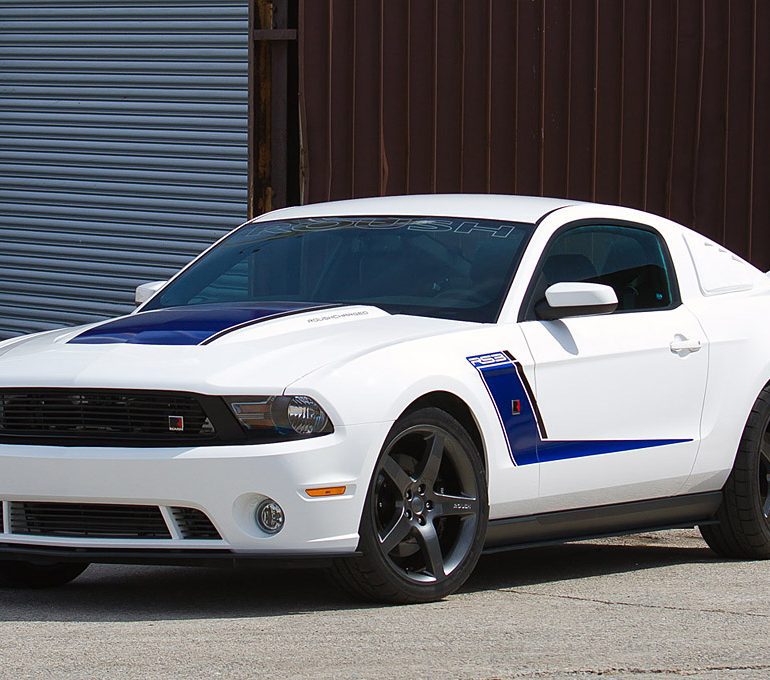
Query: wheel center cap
[[418, 505]]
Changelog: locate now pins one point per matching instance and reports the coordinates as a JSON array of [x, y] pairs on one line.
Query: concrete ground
[[645, 606]]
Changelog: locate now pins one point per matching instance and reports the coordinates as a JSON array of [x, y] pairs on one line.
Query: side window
[[630, 260]]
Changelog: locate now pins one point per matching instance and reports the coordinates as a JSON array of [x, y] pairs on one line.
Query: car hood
[[266, 353]]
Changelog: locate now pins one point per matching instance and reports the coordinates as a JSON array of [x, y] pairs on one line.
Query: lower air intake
[[87, 520], [194, 525]]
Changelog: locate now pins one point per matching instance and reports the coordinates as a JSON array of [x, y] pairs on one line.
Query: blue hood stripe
[[193, 325], [525, 432]]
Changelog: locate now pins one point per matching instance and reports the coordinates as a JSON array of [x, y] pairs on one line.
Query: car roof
[[528, 209]]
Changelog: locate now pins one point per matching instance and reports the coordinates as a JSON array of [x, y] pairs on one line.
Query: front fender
[[379, 386]]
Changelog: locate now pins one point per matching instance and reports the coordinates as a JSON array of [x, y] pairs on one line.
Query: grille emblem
[[176, 423]]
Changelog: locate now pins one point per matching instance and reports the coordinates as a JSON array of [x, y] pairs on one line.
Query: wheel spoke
[[397, 534], [396, 473], [433, 458], [446, 505], [766, 508], [431, 549]]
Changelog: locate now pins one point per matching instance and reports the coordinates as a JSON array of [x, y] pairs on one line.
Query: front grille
[[193, 524], [110, 417], [87, 520]]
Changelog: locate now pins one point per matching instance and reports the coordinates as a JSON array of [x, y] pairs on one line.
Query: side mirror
[[576, 299], [147, 290]]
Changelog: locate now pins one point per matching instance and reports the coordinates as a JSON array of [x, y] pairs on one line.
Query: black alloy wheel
[[742, 527], [425, 516], [764, 475]]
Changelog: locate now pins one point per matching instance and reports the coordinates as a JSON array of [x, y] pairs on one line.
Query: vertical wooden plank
[[661, 102], [664, 102], [394, 77], [634, 121], [528, 96], [710, 151], [367, 111], [315, 76], [685, 109], [609, 113], [738, 150], [339, 98], [279, 83], [581, 100], [556, 90], [252, 137], [449, 87], [760, 195], [488, 121], [475, 96], [421, 96], [260, 117], [502, 113]]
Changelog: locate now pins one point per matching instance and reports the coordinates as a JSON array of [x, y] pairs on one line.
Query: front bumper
[[225, 482]]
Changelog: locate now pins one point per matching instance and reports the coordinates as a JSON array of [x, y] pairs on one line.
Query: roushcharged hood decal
[[194, 325]]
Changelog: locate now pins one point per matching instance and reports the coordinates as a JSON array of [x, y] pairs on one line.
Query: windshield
[[442, 267]]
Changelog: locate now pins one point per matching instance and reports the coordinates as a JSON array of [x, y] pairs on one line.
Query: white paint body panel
[[594, 377], [615, 377], [718, 270], [580, 295]]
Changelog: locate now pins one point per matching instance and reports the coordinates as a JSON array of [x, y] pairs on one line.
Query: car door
[[620, 395]]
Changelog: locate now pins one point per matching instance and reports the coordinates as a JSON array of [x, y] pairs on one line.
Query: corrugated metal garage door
[[122, 149]]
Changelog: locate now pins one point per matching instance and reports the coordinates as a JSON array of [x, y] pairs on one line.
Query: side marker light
[[326, 491]]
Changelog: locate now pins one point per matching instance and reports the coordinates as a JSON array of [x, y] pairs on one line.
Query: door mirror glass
[[147, 290], [576, 299]]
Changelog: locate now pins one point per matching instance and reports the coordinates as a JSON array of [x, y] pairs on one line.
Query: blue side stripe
[[561, 450], [524, 433], [505, 386]]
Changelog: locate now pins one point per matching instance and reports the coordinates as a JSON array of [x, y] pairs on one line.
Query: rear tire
[[743, 527], [29, 575], [425, 516]]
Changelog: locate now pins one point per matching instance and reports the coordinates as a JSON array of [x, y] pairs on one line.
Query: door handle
[[683, 346]]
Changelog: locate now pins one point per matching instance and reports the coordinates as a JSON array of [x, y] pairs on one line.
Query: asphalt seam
[[635, 604]]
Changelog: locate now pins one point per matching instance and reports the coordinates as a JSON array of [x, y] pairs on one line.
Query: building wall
[[662, 105], [123, 149]]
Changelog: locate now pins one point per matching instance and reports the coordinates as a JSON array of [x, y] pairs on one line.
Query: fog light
[[269, 516]]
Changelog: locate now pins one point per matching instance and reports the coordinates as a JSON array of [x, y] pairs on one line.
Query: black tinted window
[[630, 260], [432, 266]]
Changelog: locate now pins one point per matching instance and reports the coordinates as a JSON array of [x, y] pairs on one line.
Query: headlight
[[285, 415], [306, 416]]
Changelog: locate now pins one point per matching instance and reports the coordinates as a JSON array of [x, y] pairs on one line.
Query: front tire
[[30, 575], [743, 527], [425, 515]]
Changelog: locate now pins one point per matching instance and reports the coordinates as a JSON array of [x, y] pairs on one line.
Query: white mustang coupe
[[390, 387]]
